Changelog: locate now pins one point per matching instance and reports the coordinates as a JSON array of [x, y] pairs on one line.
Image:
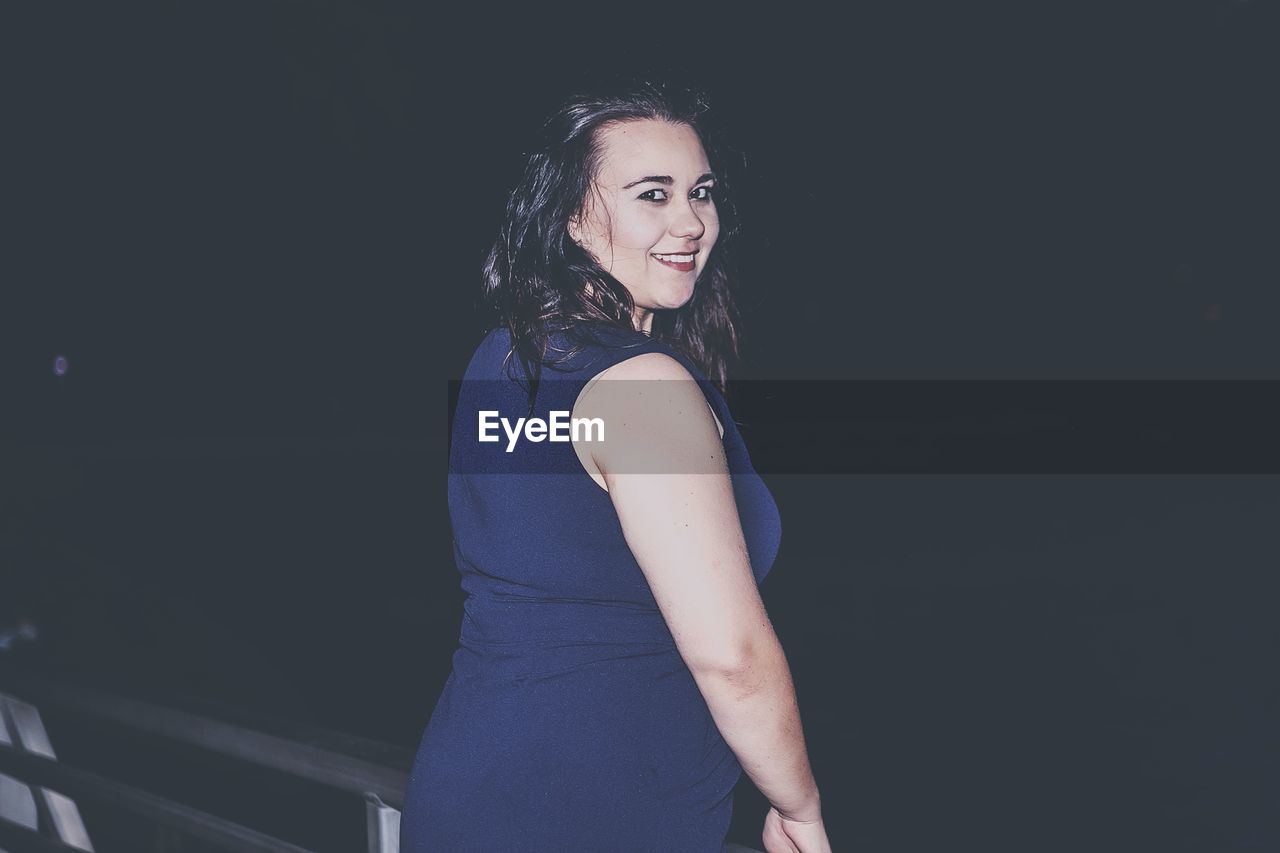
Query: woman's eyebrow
[[666, 180], [651, 179]]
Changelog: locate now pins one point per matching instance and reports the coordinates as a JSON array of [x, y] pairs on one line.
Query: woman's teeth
[[675, 259]]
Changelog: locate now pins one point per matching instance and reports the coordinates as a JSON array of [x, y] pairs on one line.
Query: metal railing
[[37, 790], [47, 793]]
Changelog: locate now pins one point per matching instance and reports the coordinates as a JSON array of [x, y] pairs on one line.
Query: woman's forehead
[[636, 149]]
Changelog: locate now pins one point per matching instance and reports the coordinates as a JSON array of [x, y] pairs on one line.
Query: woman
[[616, 670]]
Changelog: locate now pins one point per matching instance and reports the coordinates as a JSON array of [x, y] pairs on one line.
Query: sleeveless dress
[[569, 722]]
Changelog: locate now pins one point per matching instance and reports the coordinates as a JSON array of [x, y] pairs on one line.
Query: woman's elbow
[[737, 659]]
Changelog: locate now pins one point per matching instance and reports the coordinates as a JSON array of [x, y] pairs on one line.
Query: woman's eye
[[702, 193], [647, 195]]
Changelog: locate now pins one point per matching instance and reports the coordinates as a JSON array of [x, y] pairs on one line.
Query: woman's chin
[[677, 300]]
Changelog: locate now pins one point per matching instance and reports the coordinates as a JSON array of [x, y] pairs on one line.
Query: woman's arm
[[681, 522]]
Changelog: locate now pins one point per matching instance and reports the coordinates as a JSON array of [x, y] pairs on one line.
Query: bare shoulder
[[648, 365], [660, 420], [647, 402]]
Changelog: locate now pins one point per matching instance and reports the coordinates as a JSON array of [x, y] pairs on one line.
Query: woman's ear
[[581, 224]]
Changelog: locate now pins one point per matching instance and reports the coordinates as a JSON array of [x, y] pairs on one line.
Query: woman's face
[[650, 219]]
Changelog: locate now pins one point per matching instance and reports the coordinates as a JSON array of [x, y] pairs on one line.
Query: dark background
[[255, 231]]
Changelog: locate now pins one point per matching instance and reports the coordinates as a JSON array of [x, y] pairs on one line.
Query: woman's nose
[[687, 224]]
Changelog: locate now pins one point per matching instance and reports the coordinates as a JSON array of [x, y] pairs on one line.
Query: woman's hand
[[782, 835]]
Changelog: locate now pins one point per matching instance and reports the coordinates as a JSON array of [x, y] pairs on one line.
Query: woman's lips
[[681, 265]]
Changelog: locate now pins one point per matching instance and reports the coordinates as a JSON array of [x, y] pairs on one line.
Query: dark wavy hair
[[539, 282]]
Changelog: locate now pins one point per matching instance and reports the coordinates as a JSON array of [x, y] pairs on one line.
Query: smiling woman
[[654, 232], [616, 671]]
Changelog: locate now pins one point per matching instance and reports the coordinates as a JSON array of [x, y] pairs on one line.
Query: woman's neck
[[643, 319]]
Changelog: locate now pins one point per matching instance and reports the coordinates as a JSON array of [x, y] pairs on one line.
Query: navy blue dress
[[569, 721]]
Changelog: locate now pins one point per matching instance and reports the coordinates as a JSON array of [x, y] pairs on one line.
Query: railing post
[[384, 825], [28, 735], [17, 804]]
